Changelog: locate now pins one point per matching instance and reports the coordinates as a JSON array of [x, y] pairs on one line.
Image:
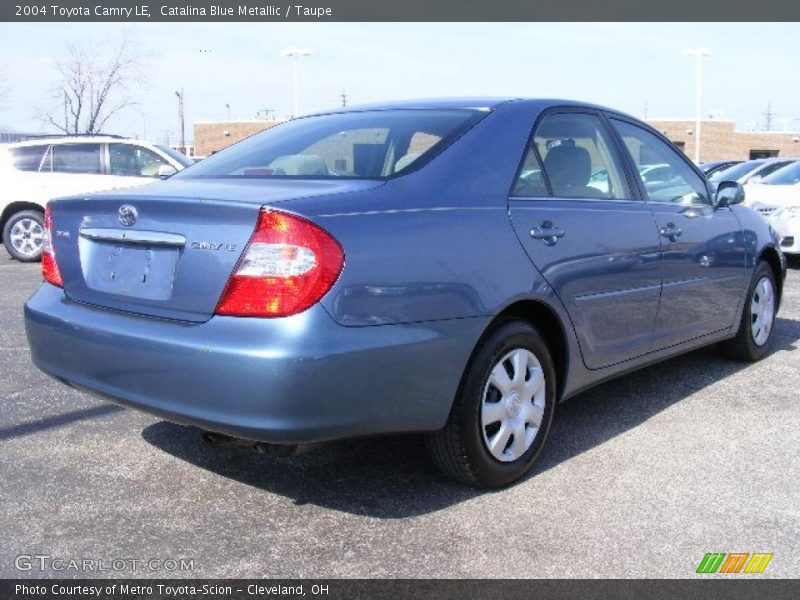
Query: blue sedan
[[446, 267]]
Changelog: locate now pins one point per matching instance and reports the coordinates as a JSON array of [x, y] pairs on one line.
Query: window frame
[[634, 192], [612, 116]]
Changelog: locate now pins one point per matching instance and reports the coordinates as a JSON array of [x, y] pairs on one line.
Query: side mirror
[[165, 171], [728, 194]]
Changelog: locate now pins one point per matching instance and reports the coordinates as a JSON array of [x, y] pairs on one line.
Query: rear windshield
[[786, 176], [179, 157], [735, 172], [360, 145]]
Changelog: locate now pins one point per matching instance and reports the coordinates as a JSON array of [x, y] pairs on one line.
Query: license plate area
[[137, 271]]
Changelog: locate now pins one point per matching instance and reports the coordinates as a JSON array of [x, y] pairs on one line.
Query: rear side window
[[370, 144], [28, 158], [76, 158], [666, 176], [576, 155]]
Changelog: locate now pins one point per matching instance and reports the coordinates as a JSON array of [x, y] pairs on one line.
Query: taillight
[[289, 264], [50, 270]]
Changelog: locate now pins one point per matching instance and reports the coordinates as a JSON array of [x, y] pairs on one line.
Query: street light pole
[[295, 54], [698, 53], [181, 120]]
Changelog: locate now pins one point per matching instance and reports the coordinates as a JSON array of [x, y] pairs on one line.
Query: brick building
[[213, 136], [720, 140]]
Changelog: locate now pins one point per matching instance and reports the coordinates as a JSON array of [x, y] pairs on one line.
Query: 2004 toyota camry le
[[452, 267]]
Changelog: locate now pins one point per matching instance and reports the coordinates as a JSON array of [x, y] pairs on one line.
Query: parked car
[[715, 166], [777, 197], [35, 171], [428, 266], [752, 171]]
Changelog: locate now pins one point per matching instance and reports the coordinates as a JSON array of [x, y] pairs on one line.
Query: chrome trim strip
[[129, 236]]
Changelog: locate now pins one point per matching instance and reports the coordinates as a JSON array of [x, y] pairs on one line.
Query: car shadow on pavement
[[391, 477]]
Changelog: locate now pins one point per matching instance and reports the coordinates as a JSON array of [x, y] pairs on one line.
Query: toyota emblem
[[127, 215]]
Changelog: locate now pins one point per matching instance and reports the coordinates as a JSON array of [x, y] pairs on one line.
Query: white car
[[777, 197], [35, 171]]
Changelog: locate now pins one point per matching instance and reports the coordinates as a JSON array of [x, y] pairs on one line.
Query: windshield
[[181, 158], [788, 175], [737, 171], [372, 144]]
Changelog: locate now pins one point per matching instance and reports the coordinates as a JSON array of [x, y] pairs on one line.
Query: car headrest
[[568, 165], [300, 164]]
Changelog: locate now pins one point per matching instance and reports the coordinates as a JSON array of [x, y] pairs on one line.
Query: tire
[[751, 343], [22, 235], [462, 450]]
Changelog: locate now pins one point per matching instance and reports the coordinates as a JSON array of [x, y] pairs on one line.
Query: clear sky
[[625, 66]]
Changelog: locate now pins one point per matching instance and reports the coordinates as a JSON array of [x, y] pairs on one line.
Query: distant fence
[[6, 138]]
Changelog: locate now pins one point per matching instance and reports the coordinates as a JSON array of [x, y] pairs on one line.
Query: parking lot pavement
[[641, 477]]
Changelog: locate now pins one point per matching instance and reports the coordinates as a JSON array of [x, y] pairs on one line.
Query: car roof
[[73, 139], [469, 102]]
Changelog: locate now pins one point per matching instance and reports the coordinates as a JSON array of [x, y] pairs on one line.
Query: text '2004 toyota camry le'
[[450, 267]]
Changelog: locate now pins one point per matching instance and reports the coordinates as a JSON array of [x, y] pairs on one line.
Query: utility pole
[[698, 53], [344, 98], [181, 121], [228, 107], [768, 115]]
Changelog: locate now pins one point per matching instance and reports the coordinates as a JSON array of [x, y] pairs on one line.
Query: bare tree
[[97, 79]]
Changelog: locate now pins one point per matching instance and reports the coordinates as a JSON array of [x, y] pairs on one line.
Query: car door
[[703, 249], [131, 165], [595, 242]]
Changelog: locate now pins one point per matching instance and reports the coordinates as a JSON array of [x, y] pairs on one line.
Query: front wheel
[[23, 234], [502, 413], [753, 339]]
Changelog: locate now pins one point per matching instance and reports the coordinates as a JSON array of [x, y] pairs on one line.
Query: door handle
[[671, 232], [548, 233]]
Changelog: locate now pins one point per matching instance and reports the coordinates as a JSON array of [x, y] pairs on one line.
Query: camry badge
[[127, 215]]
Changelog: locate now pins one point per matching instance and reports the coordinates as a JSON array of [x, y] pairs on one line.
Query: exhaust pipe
[[276, 450], [217, 439]]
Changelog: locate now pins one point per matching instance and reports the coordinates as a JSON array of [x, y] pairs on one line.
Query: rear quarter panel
[[436, 243]]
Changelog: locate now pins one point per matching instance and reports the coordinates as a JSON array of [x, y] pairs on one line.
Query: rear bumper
[[300, 379]]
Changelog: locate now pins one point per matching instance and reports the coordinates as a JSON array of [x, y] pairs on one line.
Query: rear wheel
[[23, 234], [502, 413], [753, 339]]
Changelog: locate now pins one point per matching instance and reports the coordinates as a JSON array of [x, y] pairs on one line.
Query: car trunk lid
[[164, 258]]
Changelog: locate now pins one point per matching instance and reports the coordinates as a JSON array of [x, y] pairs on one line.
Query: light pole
[[228, 107], [295, 54], [181, 120], [698, 53]]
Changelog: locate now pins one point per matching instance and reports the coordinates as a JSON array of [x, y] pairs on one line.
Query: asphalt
[[641, 477]]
